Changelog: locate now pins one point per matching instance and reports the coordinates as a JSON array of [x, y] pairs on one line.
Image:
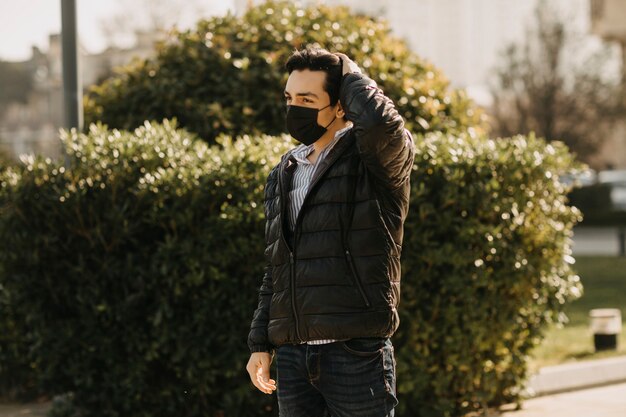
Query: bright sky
[[28, 22]]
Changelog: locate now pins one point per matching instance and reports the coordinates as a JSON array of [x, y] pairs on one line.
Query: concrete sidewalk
[[586, 374], [607, 401]]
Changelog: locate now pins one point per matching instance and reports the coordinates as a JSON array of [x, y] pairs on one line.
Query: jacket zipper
[[357, 278], [292, 275], [293, 294]]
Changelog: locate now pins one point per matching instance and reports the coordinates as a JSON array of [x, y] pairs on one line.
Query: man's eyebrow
[[307, 93]]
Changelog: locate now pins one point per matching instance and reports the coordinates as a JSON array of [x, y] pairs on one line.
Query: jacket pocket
[[357, 279]]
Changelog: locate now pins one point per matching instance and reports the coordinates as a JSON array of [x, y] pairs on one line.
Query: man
[[335, 208]]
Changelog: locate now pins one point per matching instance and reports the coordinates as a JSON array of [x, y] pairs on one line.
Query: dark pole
[[623, 43], [622, 229], [72, 90]]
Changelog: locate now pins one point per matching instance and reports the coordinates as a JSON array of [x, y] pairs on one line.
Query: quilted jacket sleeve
[[257, 337], [385, 146]]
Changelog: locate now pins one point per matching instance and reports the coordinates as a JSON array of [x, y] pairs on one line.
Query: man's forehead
[[305, 81]]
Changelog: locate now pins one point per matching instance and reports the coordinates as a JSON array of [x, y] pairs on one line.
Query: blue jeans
[[352, 378]]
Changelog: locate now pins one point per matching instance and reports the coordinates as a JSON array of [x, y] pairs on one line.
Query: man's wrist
[[261, 348]]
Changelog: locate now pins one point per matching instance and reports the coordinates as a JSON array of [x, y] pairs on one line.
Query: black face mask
[[302, 123]]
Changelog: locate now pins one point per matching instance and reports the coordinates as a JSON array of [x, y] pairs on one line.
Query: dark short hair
[[319, 59]]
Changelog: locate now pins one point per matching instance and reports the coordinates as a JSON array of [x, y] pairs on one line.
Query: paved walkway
[[608, 401]]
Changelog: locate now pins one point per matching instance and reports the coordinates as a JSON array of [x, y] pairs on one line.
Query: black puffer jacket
[[339, 277]]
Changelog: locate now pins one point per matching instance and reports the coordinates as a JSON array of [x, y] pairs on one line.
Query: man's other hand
[[348, 64], [259, 369]]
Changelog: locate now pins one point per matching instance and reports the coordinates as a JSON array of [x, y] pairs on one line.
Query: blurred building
[[464, 39], [461, 37], [33, 126], [608, 20]]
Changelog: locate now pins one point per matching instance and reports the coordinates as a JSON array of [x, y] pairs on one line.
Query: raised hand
[[348, 65]]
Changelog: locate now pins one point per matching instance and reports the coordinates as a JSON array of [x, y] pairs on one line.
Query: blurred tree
[[6, 159], [227, 75], [551, 85]]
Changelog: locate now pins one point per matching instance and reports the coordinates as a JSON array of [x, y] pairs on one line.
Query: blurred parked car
[[581, 179], [617, 180]]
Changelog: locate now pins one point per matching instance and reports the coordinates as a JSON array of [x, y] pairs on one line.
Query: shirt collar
[[301, 152]]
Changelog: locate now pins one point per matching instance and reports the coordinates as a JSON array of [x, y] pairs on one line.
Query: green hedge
[[136, 272], [226, 75], [486, 264], [18, 376]]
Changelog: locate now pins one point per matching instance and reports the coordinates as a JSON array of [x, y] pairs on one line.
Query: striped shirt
[[300, 185]]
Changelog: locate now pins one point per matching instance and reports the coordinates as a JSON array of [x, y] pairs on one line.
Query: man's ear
[[340, 112]]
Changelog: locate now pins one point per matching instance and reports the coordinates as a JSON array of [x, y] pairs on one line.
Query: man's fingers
[[266, 390], [262, 376], [267, 387], [270, 383], [260, 384], [348, 64], [264, 386]]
